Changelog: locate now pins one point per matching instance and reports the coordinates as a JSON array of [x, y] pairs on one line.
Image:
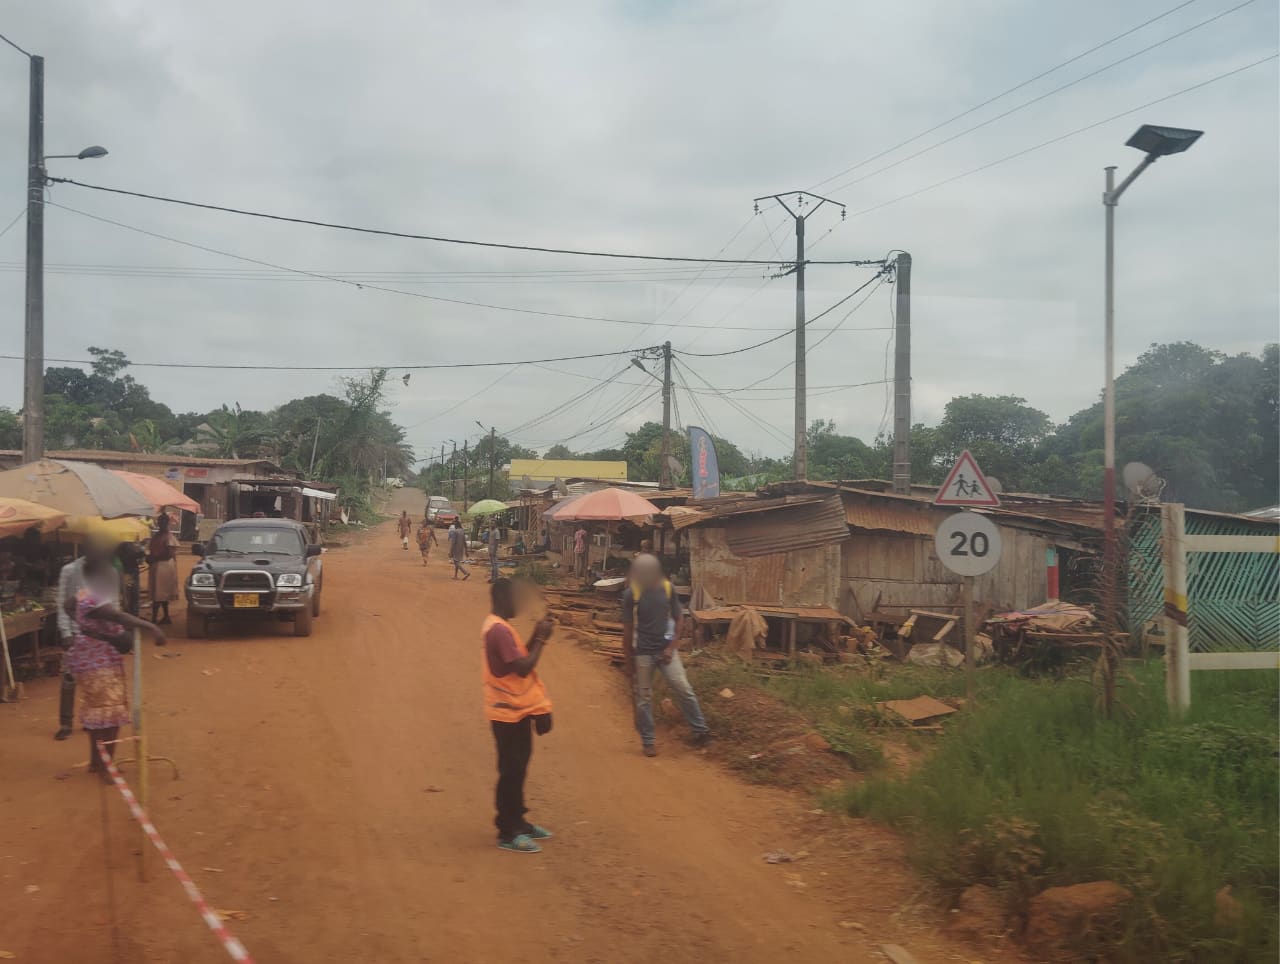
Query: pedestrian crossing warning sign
[[966, 485]]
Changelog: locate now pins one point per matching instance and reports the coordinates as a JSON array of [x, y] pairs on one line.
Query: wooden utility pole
[[466, 472], [493, 456], [33, 349], [664, 471], [902, 378], [800, 456]]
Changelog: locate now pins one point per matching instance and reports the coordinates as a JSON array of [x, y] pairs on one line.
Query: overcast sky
[[641, 127]]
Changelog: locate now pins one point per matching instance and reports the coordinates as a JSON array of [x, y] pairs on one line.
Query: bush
[[1032, 788]]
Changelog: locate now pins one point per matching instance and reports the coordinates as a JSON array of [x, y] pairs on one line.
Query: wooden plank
[[1200, 661], [1232, 543]]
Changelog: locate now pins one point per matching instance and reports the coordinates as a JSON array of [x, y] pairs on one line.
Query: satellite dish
[[1141, 482], [994, 484]]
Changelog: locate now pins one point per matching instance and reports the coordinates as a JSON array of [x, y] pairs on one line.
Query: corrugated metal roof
[[889, 517], [802, 526]]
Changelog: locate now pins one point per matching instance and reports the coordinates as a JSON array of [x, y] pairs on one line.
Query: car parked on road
[[252, 567], [440, 512]]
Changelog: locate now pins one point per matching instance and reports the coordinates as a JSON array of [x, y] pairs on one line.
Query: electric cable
[[16, 218], [1003, 93], [382, 232]]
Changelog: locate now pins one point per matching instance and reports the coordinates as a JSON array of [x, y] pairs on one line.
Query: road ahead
[[337, 791]]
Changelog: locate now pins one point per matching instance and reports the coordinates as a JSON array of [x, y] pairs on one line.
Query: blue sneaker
[[520, 844], [538, 833]]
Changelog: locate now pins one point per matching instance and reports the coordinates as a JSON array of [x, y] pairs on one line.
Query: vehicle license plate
[[246, 600]]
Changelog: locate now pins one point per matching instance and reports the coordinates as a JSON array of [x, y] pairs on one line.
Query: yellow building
[[543, 472]]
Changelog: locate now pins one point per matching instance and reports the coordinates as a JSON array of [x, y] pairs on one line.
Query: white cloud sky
[[644, 127]]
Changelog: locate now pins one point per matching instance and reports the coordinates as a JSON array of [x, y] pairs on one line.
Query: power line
[[16, 218], [397, 366], [364, 284], [416, 237], [470, 398], [1003, 93], [1063, 137], [1040, 97], [14, 46]]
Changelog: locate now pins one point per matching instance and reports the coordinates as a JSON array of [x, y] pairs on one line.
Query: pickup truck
[[251, 567]]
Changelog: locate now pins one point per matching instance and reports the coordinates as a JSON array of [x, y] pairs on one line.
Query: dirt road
[[337, 791]]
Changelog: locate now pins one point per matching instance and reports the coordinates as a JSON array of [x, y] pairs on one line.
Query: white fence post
[[1177, 648]]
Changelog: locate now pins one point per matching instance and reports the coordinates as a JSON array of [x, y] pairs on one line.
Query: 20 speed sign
[[968, 544]]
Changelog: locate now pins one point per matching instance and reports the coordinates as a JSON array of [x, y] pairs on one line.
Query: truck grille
[[247, 581]]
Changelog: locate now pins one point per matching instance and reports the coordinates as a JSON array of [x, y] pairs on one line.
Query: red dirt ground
[[337, 791]]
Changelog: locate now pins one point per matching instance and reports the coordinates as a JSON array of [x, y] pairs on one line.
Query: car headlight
[[290, 580], [204, 579]]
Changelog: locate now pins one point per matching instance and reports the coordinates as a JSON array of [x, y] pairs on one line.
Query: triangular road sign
[[966, 485]]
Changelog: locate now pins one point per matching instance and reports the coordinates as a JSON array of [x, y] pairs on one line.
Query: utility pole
[[902, 378], [664, 472], [466, 473], [453, 472], [33, 349], [800, 457], [315, 440], [493, 456]]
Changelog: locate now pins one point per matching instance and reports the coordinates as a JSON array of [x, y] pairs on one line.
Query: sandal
[[521, 844]]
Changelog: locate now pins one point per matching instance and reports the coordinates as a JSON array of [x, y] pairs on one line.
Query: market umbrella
[[606, 505], [124, 529], [76, 488], [487, 507], [19, 515], [158, 492]]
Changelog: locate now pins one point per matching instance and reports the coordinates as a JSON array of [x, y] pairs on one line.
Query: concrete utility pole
[[33, 348], [664, 472], [466, 472], [800, 457], [453, 472], [493, 456], [902, 378]]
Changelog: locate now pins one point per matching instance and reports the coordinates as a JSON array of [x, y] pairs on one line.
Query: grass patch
[[1030, 788]]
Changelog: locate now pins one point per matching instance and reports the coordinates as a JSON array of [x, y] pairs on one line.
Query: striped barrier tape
[[214, 922]]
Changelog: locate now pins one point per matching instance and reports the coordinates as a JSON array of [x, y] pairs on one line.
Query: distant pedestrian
[[162, 557], [495, 543], [516, 704], [426, 539], [580, 553], [404, 525], [458, 551], [651, 623]]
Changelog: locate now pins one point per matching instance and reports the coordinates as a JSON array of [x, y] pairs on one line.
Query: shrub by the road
[[1032, 788]]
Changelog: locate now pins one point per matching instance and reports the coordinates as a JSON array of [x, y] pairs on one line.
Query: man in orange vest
[[516, 704]]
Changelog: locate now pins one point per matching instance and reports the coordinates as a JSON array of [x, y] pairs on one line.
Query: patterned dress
[[97, 666]]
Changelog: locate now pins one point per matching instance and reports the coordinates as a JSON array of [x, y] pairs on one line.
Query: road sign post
[[969, 545]]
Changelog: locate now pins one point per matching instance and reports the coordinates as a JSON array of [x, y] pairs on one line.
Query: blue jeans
[[681, 692], [493, 568]]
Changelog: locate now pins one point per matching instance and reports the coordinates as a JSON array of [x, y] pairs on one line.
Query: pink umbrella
[[607, 505], [157, 491]]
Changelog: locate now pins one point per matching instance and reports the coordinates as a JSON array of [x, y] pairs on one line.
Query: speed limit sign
[[968, 544]]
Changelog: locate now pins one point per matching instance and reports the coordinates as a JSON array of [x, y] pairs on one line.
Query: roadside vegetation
[[1030, 787]]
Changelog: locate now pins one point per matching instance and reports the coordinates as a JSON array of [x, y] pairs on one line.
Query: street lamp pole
[[1157, 142]]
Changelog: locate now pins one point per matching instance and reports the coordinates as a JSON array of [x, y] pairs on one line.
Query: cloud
[[637, 127]]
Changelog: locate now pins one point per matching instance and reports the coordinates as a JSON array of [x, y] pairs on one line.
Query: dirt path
[[337, 791]]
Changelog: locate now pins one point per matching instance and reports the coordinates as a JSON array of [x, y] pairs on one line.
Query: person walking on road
[[651, 621], [162, 557], [494, 542], [426, 539], [517, 705], [458, 551], [404, 525]]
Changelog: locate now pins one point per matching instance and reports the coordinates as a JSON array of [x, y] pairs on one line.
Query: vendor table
[[706, 620], [30, 624]]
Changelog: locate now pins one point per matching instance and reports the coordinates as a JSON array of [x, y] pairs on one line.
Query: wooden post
[[1177, 646], [140, 750], [970, 656]]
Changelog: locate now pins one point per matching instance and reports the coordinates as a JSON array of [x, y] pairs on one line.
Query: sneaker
[[538, 833], [520, 844], [62, 733], [650, 750], [701, 740]]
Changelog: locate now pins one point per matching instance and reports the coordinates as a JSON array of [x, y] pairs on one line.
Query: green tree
[[560, 452], [833, 456], [1001, 431], [10, 429]]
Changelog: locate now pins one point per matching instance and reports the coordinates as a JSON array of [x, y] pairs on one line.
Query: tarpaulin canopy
[[125, 529], [606, 505], [319, 494], [158, 492], [19, 515], [76, 488]]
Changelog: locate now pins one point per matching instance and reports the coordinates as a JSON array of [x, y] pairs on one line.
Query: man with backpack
[[651, 622]]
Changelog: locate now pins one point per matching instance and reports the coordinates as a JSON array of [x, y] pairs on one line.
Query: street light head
[[94, 151], [1162, 141]]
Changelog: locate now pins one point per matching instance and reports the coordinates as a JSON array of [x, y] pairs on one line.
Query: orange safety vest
[[509, 699]]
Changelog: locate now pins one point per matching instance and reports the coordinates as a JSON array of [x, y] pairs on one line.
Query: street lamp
[[1156, 142]]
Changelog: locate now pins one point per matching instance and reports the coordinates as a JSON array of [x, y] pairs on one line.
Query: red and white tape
[[229, 941]]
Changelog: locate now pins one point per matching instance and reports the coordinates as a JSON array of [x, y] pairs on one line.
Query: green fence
[[1234, 596]]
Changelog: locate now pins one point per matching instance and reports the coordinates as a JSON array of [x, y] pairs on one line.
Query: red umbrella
[[607, 505]]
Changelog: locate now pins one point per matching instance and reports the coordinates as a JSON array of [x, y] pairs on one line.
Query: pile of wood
[[592, 615], [1047, 637]]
